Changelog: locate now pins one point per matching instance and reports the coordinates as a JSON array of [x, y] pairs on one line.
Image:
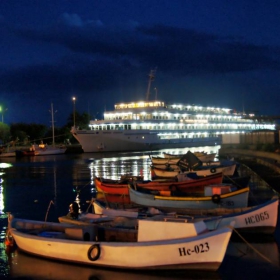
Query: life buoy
[[94, 252], [213, 170], [216, 198]]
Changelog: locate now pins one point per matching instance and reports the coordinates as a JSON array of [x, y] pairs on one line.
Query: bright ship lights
[[186, 121]]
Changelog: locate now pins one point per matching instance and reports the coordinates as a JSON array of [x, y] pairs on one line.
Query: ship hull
[[124, 141]]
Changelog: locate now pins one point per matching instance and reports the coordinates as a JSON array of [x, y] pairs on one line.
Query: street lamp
[[74, 100], [3, 111], [52, 113]]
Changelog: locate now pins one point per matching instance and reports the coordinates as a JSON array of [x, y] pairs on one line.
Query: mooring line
[[252, 247]]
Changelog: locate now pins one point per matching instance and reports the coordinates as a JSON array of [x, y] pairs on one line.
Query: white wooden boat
[[5, 151], [206, 163], [209, 163], [169, 155], [257, 219], [158, 245], [49, 150], [204, 157], [165, 161], [214, 197], [261, 218], [207, 157], [176, 167], [7, 154]]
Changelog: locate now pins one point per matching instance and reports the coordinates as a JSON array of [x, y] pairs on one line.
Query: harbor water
[[42, 187]]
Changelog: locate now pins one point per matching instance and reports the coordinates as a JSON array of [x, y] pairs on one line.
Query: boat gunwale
[[205, 198]]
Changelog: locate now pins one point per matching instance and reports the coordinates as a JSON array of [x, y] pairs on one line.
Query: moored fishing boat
[[190, 185], [168, 172], [261, 219], [153, 125], [114, 199], [172, 158], [161, 245], [25, 153], [172, 166], [197, 154], [44, 150], [189, 162], [213, 198], [175, 166], [165, 161], [6, 151], [257, 219], [7, 154]]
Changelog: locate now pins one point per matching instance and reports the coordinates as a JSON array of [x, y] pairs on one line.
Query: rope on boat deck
[[252, 247], [46, 217], [78, 191], [232, 181], [90, 204]]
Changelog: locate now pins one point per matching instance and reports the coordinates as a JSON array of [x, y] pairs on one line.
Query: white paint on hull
[[121, 141]]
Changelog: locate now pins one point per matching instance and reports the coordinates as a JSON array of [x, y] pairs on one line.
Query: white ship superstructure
[[154, 125]]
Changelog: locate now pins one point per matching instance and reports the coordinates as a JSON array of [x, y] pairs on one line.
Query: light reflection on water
[[23, 265], [29, 184], [135, 164], [241, 262]]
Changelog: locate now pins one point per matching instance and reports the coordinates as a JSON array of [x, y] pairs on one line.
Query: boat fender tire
[[173, 188], [216, 198], [213, 170], [94, 252]]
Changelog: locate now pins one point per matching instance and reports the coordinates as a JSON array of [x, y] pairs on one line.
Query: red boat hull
[[188, 186]]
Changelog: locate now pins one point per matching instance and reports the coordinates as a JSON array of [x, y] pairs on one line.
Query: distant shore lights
[[2, 111]]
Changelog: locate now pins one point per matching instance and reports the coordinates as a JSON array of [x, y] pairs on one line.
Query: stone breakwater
[[265, 164]]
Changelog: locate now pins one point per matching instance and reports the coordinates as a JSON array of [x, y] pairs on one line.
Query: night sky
[[219, 53]]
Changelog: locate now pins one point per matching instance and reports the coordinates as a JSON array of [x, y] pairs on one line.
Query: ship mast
[[151, 79], [52, 113]]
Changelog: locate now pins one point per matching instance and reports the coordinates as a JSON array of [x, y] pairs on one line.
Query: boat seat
[[82, 233]]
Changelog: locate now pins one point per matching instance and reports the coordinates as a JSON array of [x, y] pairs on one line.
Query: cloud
[[98, 58], [170, 48], [74, 20], [62, 78]]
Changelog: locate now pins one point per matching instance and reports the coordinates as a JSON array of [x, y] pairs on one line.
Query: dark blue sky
[[207, 52]]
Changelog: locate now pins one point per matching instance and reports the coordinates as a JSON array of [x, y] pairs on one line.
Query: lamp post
[[2, 112], [74, 100], [52, 114]]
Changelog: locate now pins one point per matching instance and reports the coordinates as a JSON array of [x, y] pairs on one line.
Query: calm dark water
[[42, 188]]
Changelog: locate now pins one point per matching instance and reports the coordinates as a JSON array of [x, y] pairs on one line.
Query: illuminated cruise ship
[[154, 125]]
